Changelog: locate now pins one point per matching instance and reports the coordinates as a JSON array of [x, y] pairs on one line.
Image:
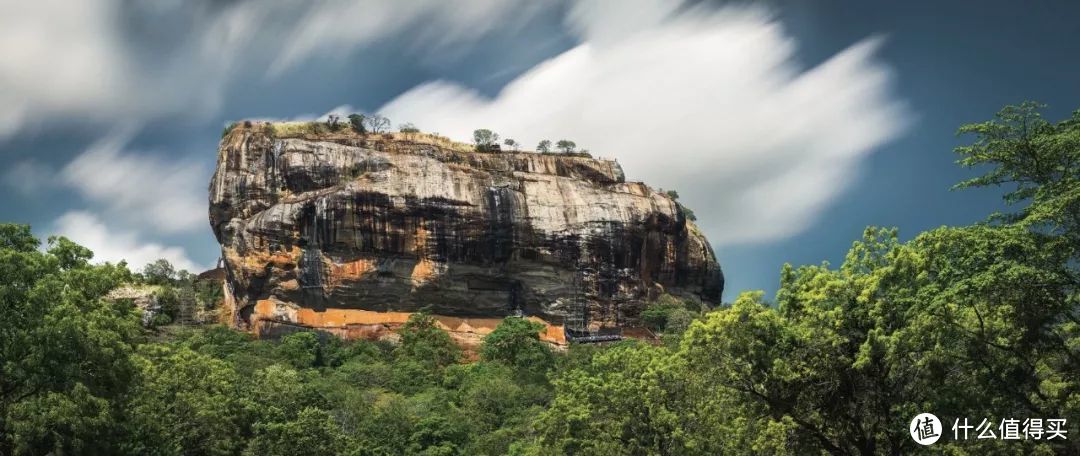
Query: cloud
[[59, 57], [139, 187], [112, 244], [29, 177], [431, 25], [107, 62], [710, 102], [341, 111]]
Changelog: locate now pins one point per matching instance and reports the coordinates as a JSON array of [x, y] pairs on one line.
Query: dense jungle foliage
[[976, 321]]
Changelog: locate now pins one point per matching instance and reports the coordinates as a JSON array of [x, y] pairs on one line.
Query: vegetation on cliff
[[978, 322]]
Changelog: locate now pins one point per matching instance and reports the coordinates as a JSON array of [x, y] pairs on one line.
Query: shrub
[[377, 123], [687, 213], [229, 128], [357, 123], [168, 301], [301, 349], [160, 319], [486, 140], [516, 342], [423, 341], [655, 316]]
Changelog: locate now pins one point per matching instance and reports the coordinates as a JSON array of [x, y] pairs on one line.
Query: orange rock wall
[[367, 324]]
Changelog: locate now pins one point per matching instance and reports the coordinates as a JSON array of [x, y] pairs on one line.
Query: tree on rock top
[[486, 140]]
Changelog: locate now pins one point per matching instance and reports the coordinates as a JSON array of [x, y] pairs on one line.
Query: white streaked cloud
[[114, 243], [140, 188], [29, 177], [709, 102], [108, 62]]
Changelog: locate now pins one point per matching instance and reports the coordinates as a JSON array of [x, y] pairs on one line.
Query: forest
[[966, 322]]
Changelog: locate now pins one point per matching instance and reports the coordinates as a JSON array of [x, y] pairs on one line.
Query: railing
[[589, 337]]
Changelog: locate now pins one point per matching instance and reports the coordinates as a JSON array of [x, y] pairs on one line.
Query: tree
[[967, 321], [377, 123], [512, 144], [64, 349], [358, 122], [687, 213], [185, 403], [423, 341], [313, 431], [160, 272], [544, 146], [437, 435], [485, 140], [656, 314], [611, 405], [168, 301], [516, 342], [302, 350], [1037, 160], [408, 127], [566, 146]]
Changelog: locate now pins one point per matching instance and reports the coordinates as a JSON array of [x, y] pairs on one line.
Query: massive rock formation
[[325, 229]]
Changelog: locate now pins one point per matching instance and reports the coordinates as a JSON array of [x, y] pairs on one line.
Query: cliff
[[338, 230]]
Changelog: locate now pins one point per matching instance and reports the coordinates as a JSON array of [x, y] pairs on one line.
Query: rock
[[311, 222], [143, 297]]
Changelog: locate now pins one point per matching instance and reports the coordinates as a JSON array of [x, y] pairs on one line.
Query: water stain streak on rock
[[313, 225]]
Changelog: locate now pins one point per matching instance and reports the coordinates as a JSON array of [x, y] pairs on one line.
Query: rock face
[[313, 224]]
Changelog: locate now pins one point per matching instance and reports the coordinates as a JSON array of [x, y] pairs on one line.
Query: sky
[[787, 126]]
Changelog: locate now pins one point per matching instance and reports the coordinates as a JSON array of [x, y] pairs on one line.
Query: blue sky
[[788, 126]]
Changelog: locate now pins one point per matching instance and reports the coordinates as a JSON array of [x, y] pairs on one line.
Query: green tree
[[606, 407], [358, 124], [185, 403], [303, 349], [436, 435], [544, 146], [960, 321], [1038, 161], [516, 342], [312, 432], [64, 349], [160, 272], [687, 213], [408, 127], [422, 340], [566, 146], [512, 144], [169, 301], [485, 140], [70, 422], [656, 314], [278, 393]]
